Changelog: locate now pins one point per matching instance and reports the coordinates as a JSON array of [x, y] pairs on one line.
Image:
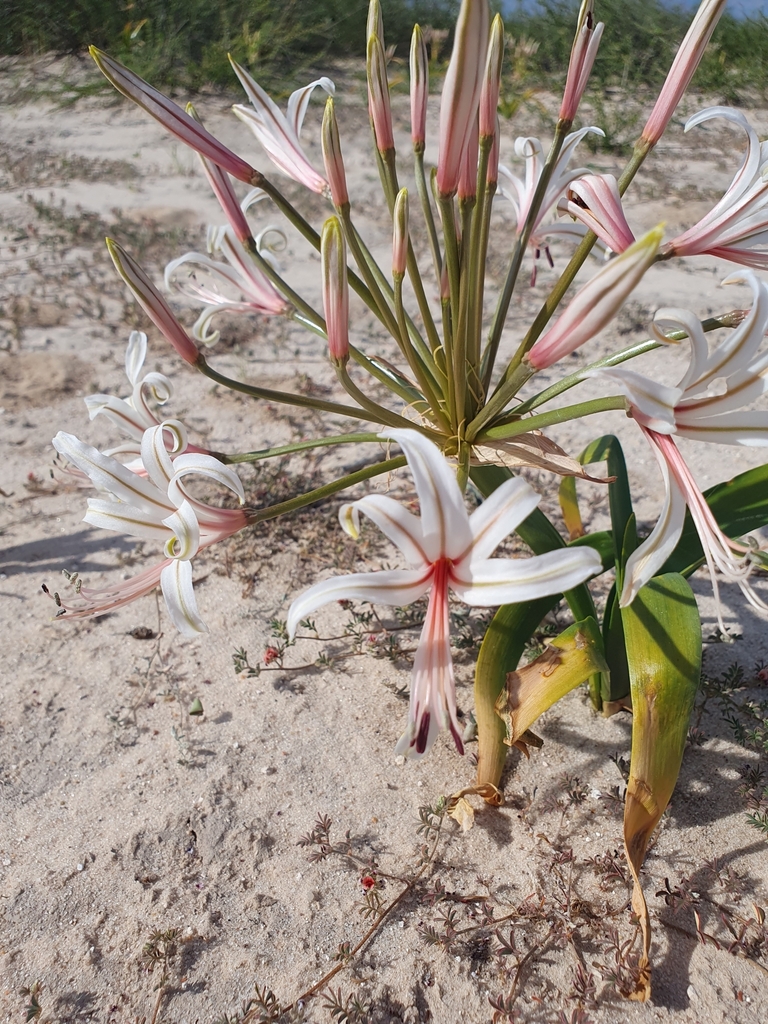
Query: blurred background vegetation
[[185, 43]]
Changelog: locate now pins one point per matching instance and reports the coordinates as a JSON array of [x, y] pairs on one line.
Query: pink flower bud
[[595, 305], [400, 233], [683, 66], [489, 96], [461, 92], [173, 118], [333, 259], [583, 53], [378, 95], [334, 164], [419, 88], [152, 302], [222, 189], [467, 188]]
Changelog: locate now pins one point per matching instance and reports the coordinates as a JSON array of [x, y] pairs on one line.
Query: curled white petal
[[179, 594]]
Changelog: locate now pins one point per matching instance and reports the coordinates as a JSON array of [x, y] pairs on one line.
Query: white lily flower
[[154, 506], [278, 132], [520, 191], [739, 222], [694, 410], [735, 229], [239, 275], [446, 549], [134, 414]]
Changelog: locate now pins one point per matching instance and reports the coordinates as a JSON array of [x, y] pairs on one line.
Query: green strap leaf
[[662, 630], [615, 688], [739, 505], [541, 536], [500, 652], [604, 449]]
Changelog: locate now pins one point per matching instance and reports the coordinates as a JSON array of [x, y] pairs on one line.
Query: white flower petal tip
[[349, 518], [448, 551]]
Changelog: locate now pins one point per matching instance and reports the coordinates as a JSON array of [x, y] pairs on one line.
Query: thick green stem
[[391, 188], [287, 397], [426, 355], [453, 267], [390, 419], [547, 419], [426, 383], [284, 288], [385, 313], [426, 206], [319, 493], [305, 229], [731, 319], [361, 437]]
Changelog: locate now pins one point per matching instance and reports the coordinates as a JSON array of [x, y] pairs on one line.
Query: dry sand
[[123, 815]]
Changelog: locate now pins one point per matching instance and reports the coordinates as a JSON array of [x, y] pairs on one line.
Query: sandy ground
[[122, 815]]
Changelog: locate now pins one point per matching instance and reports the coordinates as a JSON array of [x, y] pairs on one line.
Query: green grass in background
[[185, 42]]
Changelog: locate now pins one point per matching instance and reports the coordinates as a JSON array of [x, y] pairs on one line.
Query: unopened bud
[[461, 92], [489, 96], [333, 258], [334, 164], [583, 53], [152, 302], [468, 177], [172, 117], [419, 88], [378, 95], [375, 23], [683, 66], [400, 234], [596, 304]]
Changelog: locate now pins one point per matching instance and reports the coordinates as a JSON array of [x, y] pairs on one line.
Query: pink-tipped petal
[[595, 201], [433, 690]]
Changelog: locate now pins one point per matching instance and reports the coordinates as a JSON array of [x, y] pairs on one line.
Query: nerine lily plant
[[454, 406]]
